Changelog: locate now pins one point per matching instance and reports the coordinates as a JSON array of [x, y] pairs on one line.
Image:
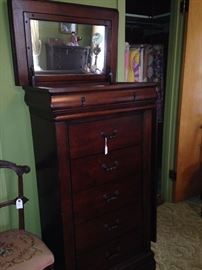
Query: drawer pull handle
[[112, 168], [110, 136], [83, 100], [113, 135], [111, 197], [111, 227], [110, 255]]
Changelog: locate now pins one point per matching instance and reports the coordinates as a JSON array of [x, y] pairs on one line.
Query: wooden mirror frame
[[20, 11]]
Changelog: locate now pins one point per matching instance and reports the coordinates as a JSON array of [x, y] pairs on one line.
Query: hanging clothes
[[154, 72], [135, 67], [127, 53], [146, 64]]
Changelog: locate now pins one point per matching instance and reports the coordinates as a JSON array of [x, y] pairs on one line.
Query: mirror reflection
[[62, 47]]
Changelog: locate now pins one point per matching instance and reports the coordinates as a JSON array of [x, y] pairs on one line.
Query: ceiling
[[148, 7]]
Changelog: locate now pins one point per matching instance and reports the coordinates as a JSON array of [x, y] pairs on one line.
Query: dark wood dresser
[[63, 57], [94, 151], [93, 138]]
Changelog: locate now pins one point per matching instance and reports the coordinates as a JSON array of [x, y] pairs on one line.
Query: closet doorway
[[147, 36]]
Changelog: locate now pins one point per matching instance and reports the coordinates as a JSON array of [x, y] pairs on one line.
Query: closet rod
[[161, 15], [138, 16], [147, 17]]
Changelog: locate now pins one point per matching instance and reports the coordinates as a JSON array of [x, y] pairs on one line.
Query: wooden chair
[[21, 250]]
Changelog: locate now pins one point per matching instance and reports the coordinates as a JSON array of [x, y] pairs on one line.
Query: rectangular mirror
[[63, 47]]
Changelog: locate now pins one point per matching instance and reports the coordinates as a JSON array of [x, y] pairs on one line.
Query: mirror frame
[[21, 11]]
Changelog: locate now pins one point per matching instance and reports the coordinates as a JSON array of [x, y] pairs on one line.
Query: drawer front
[[110, 226], [97, 201], [107, 256], [92, 137], [92, 171]]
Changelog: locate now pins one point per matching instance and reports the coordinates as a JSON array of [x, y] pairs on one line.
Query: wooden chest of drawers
[[63, 57], [95, 172]]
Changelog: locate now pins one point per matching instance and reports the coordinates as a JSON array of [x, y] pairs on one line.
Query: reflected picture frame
[[67, 27]]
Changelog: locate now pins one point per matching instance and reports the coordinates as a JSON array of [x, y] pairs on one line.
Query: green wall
[[15, 128]]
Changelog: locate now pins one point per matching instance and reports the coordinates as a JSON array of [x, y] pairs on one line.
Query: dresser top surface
[[92, 87]]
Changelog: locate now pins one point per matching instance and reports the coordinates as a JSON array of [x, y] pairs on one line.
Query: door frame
[[172, 94]]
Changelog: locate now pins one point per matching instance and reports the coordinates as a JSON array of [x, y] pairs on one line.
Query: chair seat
[[20, 250]]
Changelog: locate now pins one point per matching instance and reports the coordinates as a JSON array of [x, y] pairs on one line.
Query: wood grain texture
[[20, 13], [189, 155], [86, 189]]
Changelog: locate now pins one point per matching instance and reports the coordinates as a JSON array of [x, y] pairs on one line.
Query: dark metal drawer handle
[[83, 101], [111, 227], [113, 135], [111, 197], [110, 136], [112, 168], [109, 255]]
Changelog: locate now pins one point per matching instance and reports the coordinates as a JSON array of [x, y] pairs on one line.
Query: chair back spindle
[[20, 200]]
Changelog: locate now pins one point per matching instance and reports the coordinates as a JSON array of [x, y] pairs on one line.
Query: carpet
[[179, 237]]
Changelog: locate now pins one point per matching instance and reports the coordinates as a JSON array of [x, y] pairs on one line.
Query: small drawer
[[107, 256], [95, 137], [110, 226], [100, 200], [92, 171]]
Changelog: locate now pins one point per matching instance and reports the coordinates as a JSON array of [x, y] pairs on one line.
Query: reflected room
[[62, 47]]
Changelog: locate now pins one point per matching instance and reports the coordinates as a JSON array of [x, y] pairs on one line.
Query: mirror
[[56, 43], [63, 47]]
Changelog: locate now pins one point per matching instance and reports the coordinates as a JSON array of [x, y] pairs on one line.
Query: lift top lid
[[57, 43]]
